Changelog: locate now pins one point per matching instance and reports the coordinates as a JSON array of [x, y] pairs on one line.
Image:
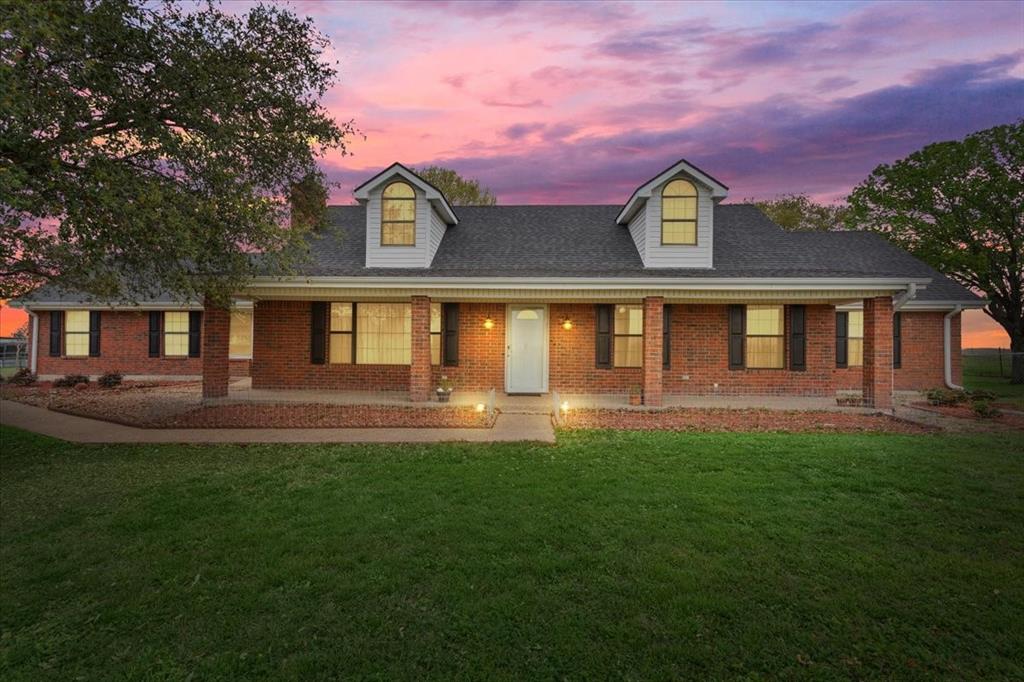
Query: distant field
[[985, 369]]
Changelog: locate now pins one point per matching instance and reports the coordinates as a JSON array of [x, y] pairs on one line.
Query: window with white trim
[[628, 330], [76, 333], [398, 215], [679, 213], [435, 333], [765, 348], [176, 333], [855, 338], [240, 334]]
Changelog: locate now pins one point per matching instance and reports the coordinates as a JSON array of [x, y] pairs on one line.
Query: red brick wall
[[571, 359], [921, 366], [124, 348], [281, 355], [700, 349]]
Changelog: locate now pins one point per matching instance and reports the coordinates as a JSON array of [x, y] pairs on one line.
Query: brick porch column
[[877, 390], [419, 370], [654, 315], [216, 335]]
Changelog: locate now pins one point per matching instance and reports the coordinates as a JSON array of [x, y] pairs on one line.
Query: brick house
[[674, 292]]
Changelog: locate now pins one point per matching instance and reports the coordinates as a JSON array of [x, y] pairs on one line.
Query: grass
[[609, 555], [982, 372]]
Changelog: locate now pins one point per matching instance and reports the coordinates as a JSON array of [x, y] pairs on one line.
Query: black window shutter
[[797, 337], [737, 335], [155, 320], [666, 337], [195, 332], [897, 341], [842, 339], [56, 329], [94, 333], [450, 336], [603, 350], [318, 333]]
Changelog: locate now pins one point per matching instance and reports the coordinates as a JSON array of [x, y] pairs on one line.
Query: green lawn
[[983, 372], [610, 555]]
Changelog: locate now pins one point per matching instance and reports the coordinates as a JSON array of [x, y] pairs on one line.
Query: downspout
[[947, 349], [908, 295], [34, 349]]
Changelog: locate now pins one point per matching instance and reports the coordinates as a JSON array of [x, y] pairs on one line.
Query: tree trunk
[[1017, 358]]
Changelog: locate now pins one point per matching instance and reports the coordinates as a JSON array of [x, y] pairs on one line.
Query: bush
[[70, 380], [981, 394], [110, 380], [984, 409], [945, 397], [23, 377]]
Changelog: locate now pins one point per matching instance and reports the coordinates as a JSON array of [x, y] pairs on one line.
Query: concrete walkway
[[507, 428]]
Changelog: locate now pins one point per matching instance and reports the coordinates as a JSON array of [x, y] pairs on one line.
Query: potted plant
[[444, 389], [636, 395]]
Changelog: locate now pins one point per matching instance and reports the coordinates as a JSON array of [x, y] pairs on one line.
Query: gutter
[[33, 360], [947, 350]]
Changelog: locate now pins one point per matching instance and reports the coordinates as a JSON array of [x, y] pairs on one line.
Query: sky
[[580, 102]]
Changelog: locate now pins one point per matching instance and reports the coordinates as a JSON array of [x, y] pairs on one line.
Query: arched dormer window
[[398, 215], [679, 213]]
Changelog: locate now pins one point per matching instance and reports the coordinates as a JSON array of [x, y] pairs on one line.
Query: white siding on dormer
[[657, 255], [418, 256], [637, 231], [437, 228]]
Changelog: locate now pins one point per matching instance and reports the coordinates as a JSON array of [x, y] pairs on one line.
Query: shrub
[[23, 377], [945, 397], [980, 394], [110, 380], [984, 409], [70, 380]]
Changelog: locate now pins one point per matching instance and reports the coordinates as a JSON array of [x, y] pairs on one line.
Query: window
[[435, 333], [628, 346], [398, 215], [765, 348], [76, 333], [176, 334], [679, 213], [341, 333], [855, 339], [383, 333], [240, 341]]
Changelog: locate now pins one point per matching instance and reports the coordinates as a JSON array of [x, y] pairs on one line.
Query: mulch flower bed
[[319, 416], [1009, 418], [704, 420]]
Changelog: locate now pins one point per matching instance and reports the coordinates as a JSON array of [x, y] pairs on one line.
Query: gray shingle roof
[[585, 241]]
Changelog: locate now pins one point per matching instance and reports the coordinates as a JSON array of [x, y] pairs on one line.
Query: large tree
[[799, 213], [150, 146], [458, 190], [960, 207]]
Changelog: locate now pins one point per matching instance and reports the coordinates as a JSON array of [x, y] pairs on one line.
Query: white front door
[[526, 361]]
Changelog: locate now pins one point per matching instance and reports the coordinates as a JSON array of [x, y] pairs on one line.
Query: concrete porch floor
[[241, 390]]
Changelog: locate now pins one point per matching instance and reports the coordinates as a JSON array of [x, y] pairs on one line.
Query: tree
[[959, 206], [798, 213], [149, 146], [457, 189]]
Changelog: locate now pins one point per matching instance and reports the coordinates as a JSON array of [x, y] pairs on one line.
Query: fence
[[988, 362]]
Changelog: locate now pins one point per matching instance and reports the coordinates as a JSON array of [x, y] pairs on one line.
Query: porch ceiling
[[315, 293]]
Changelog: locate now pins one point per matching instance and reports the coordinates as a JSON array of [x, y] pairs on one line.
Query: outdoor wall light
[[567, 324], [480, 407], [565, 406], [488, 323]]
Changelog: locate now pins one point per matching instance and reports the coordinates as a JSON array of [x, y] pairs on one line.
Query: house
[[674, 291]]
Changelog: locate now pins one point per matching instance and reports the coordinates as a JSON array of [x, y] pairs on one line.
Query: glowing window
[[435, 333], [76, 333], [398, 215], [765, 348], [240, 341], [341, 333], [383, 333], [176, 334], [628, 343], [855, 338], [679, 213]]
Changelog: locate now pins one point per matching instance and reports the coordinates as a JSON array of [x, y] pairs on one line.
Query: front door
[[526, 361]]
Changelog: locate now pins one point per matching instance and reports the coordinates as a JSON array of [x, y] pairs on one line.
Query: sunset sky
[[580, 102]]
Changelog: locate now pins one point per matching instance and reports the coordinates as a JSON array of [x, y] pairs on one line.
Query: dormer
[[406, 218], [671, 217]]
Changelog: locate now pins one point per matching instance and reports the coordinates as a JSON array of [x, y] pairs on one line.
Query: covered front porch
[[730, 349]]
